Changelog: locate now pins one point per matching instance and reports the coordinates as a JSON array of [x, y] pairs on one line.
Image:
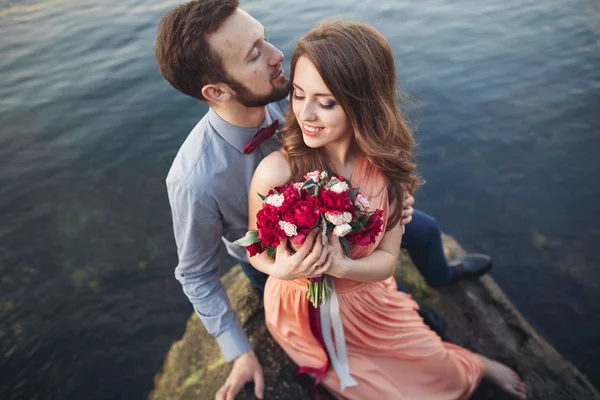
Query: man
[[217, 53]]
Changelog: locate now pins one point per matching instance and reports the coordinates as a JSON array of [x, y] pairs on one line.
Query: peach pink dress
[[391, 353]]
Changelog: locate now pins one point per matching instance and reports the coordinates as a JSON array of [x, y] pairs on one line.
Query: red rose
[[367, 235], [254, 249], [290, 197], [267, 223], [332, 201], [304, 214]]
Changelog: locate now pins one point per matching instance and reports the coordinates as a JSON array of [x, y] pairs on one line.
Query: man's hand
[[246, 368], [407, 209]]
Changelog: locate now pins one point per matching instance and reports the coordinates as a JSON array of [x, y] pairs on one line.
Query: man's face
[[253, 63]]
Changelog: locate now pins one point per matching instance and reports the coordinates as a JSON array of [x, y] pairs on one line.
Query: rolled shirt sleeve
[[198, 228]]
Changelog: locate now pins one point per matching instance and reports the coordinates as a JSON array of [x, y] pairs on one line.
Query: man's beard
[[249, 99]]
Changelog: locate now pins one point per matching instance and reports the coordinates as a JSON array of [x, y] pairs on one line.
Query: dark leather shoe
[[433, 319], [470, 266]]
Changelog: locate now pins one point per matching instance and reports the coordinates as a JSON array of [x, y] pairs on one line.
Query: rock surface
[[479, 317]]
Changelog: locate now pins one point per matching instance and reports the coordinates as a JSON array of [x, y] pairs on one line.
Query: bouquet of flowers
[[292, 211]]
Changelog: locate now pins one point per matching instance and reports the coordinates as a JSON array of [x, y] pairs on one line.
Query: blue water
[[506, 106]]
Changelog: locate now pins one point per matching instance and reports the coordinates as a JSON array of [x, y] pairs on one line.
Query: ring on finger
[[315, 266]]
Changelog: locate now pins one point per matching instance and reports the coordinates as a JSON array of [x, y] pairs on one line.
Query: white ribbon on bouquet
[[330, 317]]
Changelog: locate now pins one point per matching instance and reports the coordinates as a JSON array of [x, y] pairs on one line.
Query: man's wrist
[[248, 354], [233, 342]]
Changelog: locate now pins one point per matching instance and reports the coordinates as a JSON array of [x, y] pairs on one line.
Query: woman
[[343, 118]]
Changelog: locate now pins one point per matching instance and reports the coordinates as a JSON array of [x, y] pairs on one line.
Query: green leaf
[[271, 251], [332, 182], [311, 187], [324, 292], [308, 184], [353, 194], [261, 196], [356, 226], [345, 245], [249, 238], [311, 293], [363, 219]]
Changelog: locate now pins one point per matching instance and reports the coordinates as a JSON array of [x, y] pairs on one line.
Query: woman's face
[[321, 118]]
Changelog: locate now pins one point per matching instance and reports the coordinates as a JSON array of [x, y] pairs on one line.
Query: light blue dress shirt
[[208, 187]]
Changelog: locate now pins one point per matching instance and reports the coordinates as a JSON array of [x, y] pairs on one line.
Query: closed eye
[[328, 106], [258, 49]]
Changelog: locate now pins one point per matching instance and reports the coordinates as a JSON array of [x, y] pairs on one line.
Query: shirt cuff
[[234, 342]]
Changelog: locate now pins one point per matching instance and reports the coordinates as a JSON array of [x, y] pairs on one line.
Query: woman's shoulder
[[274, 169]]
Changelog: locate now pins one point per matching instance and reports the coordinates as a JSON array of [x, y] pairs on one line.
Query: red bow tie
[[260, 137]]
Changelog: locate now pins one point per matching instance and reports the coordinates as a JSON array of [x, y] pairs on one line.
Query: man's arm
[[198, 227]]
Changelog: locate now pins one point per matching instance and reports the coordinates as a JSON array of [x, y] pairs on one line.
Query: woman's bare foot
[[504, 377]]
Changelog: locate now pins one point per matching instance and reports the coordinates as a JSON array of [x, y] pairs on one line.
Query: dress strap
[[331, 317]]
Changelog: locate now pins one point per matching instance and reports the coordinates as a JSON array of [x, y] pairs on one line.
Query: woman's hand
[[339, 260], [305, 263]]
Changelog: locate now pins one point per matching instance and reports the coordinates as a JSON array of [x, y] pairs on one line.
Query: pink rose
[[340, 187], [299, 239], [289, 229], [362, 202], [342, 230], [335, 217], [276, 200], [338, 218], [314, 175]]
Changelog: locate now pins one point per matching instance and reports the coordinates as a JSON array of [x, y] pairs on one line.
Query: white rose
[[314, 175], [362, 202], [342, 230], [289, 228], [336, 218], [324, 175], [275, 200], [346, 217], [339, 187]]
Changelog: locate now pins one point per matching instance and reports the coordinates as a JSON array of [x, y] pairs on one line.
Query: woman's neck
[[342, 156]]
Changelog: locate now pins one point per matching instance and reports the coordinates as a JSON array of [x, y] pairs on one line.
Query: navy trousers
[[423, 241]]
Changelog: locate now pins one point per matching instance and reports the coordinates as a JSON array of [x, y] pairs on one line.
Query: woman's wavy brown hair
[[357, 65]]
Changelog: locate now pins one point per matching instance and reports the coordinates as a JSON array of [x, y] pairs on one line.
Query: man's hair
[[184, 56]]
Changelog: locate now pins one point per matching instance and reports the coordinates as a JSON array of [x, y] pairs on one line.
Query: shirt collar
[[236, 136]]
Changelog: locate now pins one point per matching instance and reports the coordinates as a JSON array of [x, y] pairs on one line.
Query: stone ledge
[[479, 317]]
